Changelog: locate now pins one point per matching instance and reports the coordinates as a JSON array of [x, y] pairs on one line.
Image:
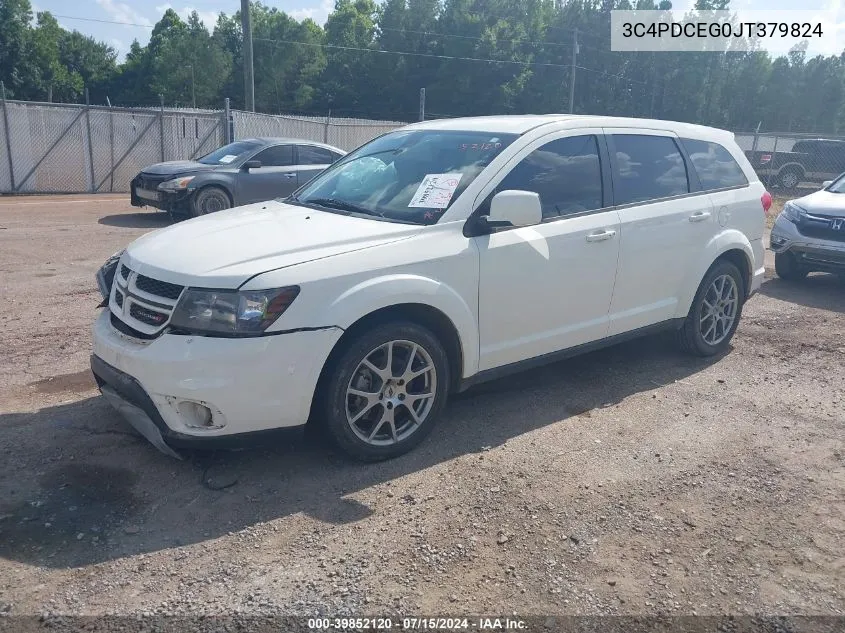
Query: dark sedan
[[249, 170]]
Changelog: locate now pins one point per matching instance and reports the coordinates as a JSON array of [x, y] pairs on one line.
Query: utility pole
[[422, 104], [249, 82], [193, 89], [572, 72]]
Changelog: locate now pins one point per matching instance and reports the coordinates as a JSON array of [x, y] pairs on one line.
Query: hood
[[178, 167], [823, 202], [225, 249]]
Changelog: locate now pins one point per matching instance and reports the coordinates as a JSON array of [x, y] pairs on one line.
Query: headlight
[[793, 212], [105, 276], [229, 312], [177, 184]]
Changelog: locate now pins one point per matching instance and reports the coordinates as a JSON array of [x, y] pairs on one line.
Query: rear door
[[665, 222], [311, 160], [275, 178]]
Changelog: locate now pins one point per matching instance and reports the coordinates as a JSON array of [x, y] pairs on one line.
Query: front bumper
[[252, 386], [813, 253], [165, 200]]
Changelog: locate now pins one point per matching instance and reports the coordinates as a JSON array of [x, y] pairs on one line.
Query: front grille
[[149, 181], [158, 288], [142, 305], [821, 232]]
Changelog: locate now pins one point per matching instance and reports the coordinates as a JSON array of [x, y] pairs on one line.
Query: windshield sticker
[[436, 190], [479, 146], [228, 158]]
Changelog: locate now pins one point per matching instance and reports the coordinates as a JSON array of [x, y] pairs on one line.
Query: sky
[[145, 13]]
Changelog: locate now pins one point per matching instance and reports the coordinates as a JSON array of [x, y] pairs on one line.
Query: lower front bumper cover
[[128, 397]]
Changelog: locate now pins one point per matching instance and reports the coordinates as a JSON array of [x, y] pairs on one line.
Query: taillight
[[765, 158], [766, 201]]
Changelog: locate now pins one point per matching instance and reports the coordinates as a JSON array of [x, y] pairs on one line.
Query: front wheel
[[788, 268], [386, 390], [209, 200], [715, 311]]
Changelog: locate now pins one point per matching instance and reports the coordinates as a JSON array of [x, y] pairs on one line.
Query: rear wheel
[[789, 178], [788, 268], [209, 200], [715, 311], [386, 390]]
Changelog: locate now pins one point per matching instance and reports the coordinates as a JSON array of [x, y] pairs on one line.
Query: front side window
[[311, 155], [277, 156], [566, 173], [408, 176], [715, 166], [229, 153]]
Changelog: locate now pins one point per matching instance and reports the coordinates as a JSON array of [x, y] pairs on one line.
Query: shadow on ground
[[143, 220], [820, 291], [79, 487]]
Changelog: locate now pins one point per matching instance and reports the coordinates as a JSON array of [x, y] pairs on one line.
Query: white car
[[432, 258]]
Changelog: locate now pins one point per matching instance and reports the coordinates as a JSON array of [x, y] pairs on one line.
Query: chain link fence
[[71, 148], [68, 148], [347, 134], [789, 161]]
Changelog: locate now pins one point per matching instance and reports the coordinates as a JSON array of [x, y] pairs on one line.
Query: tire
[[790, 178], [695, 336], [360, 425], [209, 200], [788, 268]]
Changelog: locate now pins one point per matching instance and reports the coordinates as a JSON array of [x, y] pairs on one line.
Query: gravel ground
[[634, 480]]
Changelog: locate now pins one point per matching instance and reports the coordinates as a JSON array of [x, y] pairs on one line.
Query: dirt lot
[[630, 481]]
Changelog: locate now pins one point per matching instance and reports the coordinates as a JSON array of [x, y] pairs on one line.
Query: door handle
[[699, 216], [601, 236], [290, 174]]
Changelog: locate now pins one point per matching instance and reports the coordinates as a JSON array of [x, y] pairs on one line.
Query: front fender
[[390, 290], [727, 240]]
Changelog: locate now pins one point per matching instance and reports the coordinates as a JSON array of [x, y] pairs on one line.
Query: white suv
[[430, 259]]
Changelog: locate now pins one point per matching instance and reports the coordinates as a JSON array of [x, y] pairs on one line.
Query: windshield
[[838, 185], [229, 153], [410, 176]]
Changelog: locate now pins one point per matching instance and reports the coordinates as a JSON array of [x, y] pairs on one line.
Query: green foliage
[[371, 58]]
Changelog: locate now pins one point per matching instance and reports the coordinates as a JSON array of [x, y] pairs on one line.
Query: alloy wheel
[[391, 393], [719, 309]]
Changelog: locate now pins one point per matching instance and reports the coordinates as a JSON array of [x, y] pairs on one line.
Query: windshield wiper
[[343, 205]]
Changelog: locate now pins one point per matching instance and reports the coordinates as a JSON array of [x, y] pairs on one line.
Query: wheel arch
[[732, 246], [219, 184]]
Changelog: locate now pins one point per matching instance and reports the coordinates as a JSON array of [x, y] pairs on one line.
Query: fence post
[[90, 142], [422, 104], [326, 127], [8, 140], [161, 124], [227, 113], [111, 146]]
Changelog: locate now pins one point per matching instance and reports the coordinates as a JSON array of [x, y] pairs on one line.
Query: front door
[[274, 179], [548, 287]]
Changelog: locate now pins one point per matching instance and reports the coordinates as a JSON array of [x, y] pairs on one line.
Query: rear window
[[715, 166], [311, 155]]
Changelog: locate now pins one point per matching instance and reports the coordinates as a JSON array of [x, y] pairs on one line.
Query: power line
[[412, 54], [70, 17]]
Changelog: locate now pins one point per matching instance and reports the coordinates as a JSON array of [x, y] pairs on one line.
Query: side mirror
[[251, 164], [515, 208], [826, 184]]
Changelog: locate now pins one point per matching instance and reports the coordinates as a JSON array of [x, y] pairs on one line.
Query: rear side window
[[566, 173], [311, 155], [715, 166], [277, 156], [648, 168]]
